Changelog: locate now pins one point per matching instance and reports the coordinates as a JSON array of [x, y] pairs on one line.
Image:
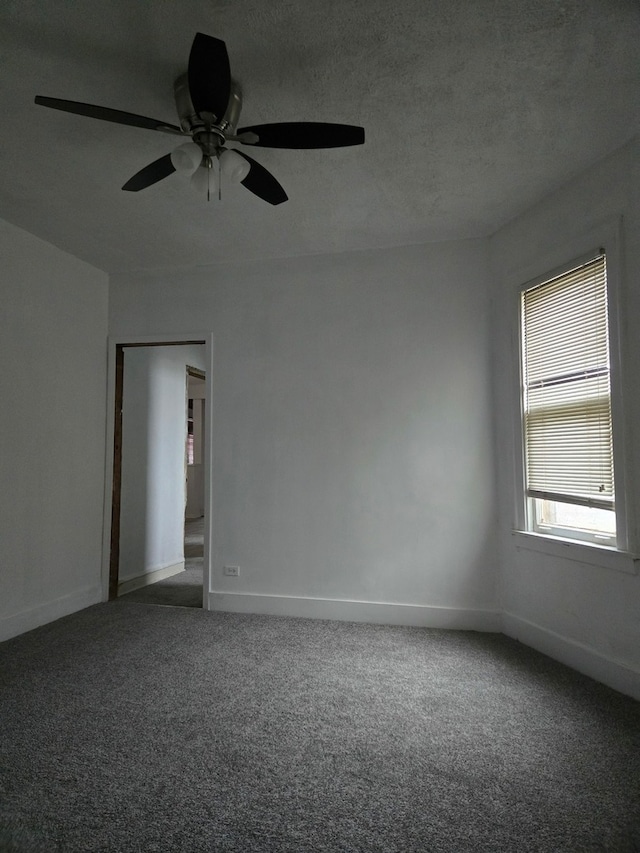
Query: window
[[566, 405]]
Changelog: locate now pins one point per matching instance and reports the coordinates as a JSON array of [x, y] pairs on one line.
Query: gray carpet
[[127, 727]]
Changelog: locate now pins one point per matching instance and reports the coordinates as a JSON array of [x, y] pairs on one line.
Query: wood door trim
[[116, 489]]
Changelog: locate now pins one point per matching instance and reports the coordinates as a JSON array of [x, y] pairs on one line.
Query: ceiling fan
[[209, 103]]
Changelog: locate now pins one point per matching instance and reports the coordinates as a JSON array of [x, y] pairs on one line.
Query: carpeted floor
[[128, 727], [185, 589]]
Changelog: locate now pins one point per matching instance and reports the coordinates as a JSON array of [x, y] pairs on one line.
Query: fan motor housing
[[191, 122]]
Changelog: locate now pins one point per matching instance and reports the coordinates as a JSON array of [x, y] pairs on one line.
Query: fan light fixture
[[203, 179], [208, 102], [186, 158], [233, 165]]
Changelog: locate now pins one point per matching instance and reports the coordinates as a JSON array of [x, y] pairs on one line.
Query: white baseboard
[[357, 611], [577, 655], [150, 577], [27, 620]]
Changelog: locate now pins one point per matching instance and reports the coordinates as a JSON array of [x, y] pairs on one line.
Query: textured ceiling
[[473, 110]]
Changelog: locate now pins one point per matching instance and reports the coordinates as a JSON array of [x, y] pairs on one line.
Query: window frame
[[607, 239], [534, 524]]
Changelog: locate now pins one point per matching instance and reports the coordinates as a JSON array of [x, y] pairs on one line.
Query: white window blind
[[567, 399]]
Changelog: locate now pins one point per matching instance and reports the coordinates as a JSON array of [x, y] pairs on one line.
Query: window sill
[[580, 552]]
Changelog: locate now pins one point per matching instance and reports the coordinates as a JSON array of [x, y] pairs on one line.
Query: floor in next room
[[184, 589]]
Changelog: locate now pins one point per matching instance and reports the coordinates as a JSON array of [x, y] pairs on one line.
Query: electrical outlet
[[232, 571]]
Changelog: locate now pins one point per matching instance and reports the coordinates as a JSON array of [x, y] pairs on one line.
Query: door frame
[[113, 457]]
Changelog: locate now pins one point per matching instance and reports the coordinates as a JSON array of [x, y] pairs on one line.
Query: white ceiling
[[473, 111]]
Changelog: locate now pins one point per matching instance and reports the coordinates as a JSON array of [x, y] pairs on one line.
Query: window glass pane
[[567, 518]]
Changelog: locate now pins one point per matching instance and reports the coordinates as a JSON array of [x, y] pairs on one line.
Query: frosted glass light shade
[[234, 167], [204, 179], [187, 157]]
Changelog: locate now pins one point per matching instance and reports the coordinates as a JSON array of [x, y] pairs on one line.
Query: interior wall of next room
[[153, 483]]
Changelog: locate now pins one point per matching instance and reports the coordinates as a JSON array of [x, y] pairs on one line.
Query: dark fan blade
[[262, 183], [305, 134], [209, 76], [106, 114], [151, 174]]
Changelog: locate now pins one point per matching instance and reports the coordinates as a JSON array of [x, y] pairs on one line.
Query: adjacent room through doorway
[[157, 541]]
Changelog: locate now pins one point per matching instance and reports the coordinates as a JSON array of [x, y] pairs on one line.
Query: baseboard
[[27, 620], [150, 577], [577, 655], [357, 611]]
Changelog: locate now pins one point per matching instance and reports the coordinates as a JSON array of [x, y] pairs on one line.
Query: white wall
[[154, 428], [352, 428], [53, 332], [584, 614]]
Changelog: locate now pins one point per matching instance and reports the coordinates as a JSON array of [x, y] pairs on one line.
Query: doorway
[[148, 560], [194, 482]]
